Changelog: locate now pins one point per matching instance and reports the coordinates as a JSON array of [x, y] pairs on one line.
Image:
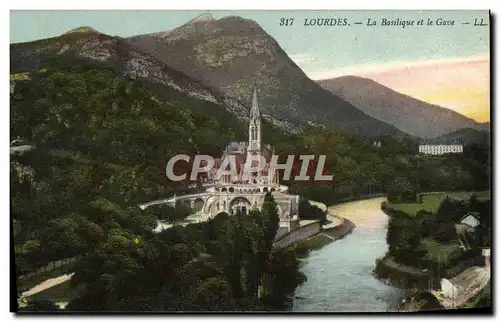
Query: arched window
[[253, 133], [231, 189]]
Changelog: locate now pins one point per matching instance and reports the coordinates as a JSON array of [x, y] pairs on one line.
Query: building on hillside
[[486, 254], [440, 149], [471, 219], [468, 282]]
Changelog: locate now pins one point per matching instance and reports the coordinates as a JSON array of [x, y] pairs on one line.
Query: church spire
[[255, 112], [254, 131]]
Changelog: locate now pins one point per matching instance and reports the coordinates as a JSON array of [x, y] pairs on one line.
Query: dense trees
[[308, 211], [101, 144], [400, 189], [403, 237], [218, 265], [358, 168]]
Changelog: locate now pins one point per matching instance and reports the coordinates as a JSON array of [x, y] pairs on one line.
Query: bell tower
[[254, 131]]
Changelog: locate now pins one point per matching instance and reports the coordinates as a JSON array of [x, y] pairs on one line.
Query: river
[[339, 275]]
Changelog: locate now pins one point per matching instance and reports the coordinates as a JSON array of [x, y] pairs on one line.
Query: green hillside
[[101, 144]]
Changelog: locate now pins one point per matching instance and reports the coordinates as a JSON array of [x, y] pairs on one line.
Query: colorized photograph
[[250, 161]]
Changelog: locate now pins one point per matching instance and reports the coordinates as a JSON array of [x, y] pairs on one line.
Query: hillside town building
[[440, 149]]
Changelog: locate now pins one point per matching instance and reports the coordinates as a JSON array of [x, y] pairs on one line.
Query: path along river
[[339, 275]]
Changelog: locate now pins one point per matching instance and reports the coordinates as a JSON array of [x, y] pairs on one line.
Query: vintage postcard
[[250, 161]]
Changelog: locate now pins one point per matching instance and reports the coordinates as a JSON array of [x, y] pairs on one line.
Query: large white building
[[440, 149]]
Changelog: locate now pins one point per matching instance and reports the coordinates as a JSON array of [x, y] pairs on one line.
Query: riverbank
[[325, 237], [344, 228], [336, 229], [391, 272], [443, 271], [471, 289], [339, 275]]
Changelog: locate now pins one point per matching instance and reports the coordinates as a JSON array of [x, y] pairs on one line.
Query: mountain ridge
[[407, 113], [465, 136], [105, 51], [233, 54]]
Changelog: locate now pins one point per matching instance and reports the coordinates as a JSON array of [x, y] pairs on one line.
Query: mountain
[[83, 29], [463, 136], [101, 50], [89, 47], [485, 126], [404, 112], [233, 55]]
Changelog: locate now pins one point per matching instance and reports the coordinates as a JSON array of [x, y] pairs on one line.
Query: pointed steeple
[[255, 112], [254, 131]]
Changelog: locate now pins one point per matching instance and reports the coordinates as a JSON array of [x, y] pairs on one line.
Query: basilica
[[241, 193]]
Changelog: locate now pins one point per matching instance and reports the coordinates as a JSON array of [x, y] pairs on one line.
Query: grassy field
[[19, 76], [431, 202], [440, 253]]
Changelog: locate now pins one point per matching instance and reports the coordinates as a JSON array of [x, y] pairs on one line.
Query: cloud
[[303, 58], [364, 69]]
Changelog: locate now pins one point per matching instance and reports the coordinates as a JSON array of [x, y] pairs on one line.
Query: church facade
[[241, 193]]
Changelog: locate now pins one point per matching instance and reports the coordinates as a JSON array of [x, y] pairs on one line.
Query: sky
[[445, 65]]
